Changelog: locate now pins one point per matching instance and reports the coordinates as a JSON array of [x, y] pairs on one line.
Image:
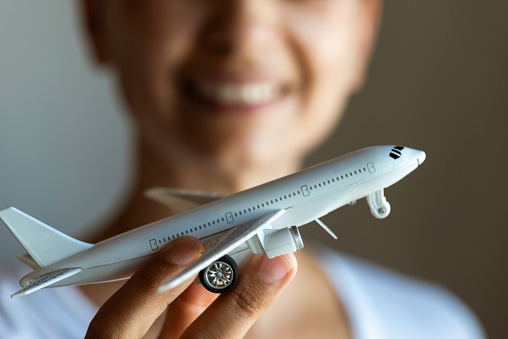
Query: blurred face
[[235, 82]]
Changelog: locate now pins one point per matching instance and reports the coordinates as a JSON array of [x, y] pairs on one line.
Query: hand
[[192, 311]]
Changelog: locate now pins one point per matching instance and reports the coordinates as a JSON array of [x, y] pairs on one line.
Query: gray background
[[438, 83]]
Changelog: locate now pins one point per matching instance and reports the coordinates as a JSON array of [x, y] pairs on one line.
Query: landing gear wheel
[[221, 276]]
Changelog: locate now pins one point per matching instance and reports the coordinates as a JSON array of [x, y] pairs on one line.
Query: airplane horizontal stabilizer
[[47, 280], [45, 245], [27, 259], [235, 238], [181, 200]]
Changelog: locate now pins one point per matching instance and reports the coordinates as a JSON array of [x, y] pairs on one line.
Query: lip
[[239, 93]]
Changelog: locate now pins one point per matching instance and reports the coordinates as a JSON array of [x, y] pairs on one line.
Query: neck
[[154, 170]]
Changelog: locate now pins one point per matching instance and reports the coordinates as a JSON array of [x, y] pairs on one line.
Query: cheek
[[324, 38], [151, 46]]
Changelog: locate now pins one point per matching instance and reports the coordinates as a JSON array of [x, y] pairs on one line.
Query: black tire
[[229, 270]]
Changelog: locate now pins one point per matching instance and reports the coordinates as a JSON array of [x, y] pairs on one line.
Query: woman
[[227, 95]]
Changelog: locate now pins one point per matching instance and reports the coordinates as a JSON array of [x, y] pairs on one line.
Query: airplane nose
[[421, 157]]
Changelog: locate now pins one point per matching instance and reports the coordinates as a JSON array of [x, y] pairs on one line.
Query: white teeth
[[231, 94]]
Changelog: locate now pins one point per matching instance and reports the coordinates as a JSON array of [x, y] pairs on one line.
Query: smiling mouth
[[226, 94]]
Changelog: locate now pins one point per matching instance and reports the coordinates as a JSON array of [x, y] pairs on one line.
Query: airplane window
[[208, 224], [350, 173], [324, 183], [298, 192], [285, 197], [249, 209], [271, 201], [236, 215], [213, 222], [276, 200], [328, 181], [253, 208], [159, 241], [199, 226], [258, 207], [191, 230], [333, 180], [195, 228], [364, 169], [346, 175], [218, 221], [319, 184], [240, 213], [310, 187], [222, 219], [245, 211], [263, 205], [360, 170], [186, 232]]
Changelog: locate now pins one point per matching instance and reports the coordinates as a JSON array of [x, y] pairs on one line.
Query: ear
[[93, 17], [369, 22]]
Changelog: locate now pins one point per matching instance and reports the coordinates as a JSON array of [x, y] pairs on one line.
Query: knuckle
[[146, 280], [93, 332], [98, 329], [204, 333], [153, 275], [249, 301]]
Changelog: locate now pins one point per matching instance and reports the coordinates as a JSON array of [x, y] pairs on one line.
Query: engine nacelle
[[276, 242]]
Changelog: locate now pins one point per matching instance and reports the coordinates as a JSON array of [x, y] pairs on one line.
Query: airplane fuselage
[[305, 196]]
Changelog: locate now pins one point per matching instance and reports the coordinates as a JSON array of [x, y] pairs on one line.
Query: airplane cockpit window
[[396, 153]]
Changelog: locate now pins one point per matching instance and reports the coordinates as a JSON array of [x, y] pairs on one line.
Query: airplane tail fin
[[42, 242]]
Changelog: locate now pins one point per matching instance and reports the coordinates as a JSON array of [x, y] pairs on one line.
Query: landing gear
[[221, 276], [379, 207]]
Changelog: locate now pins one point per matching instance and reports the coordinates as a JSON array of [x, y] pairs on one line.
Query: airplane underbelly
[[116, 271]]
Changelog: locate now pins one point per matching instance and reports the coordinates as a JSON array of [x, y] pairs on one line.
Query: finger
[[234, 312], [131, 311], [185, 309]]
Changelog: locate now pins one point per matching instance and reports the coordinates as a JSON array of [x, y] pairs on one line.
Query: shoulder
[[384, 304], [50, 313]]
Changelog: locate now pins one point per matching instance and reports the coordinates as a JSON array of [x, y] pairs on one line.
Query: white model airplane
[[261, 220]]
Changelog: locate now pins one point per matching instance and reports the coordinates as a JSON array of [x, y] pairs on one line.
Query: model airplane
[[261, 220]]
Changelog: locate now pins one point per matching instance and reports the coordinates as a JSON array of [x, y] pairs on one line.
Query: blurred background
[[438, 82]]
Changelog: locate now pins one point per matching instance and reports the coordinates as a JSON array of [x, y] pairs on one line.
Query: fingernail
[[183, 252], [271, 270]]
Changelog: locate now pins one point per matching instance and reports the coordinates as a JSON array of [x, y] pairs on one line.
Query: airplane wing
[[46, 280], [180, 200], [235, 238]]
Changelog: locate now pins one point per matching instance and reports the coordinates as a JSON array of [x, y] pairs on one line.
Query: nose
[[421, 157], [239, 26]]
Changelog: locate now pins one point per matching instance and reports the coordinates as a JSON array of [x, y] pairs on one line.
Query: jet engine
[[276, 242]]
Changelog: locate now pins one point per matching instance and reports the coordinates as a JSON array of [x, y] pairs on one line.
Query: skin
[[312, 55], [130, 312]]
